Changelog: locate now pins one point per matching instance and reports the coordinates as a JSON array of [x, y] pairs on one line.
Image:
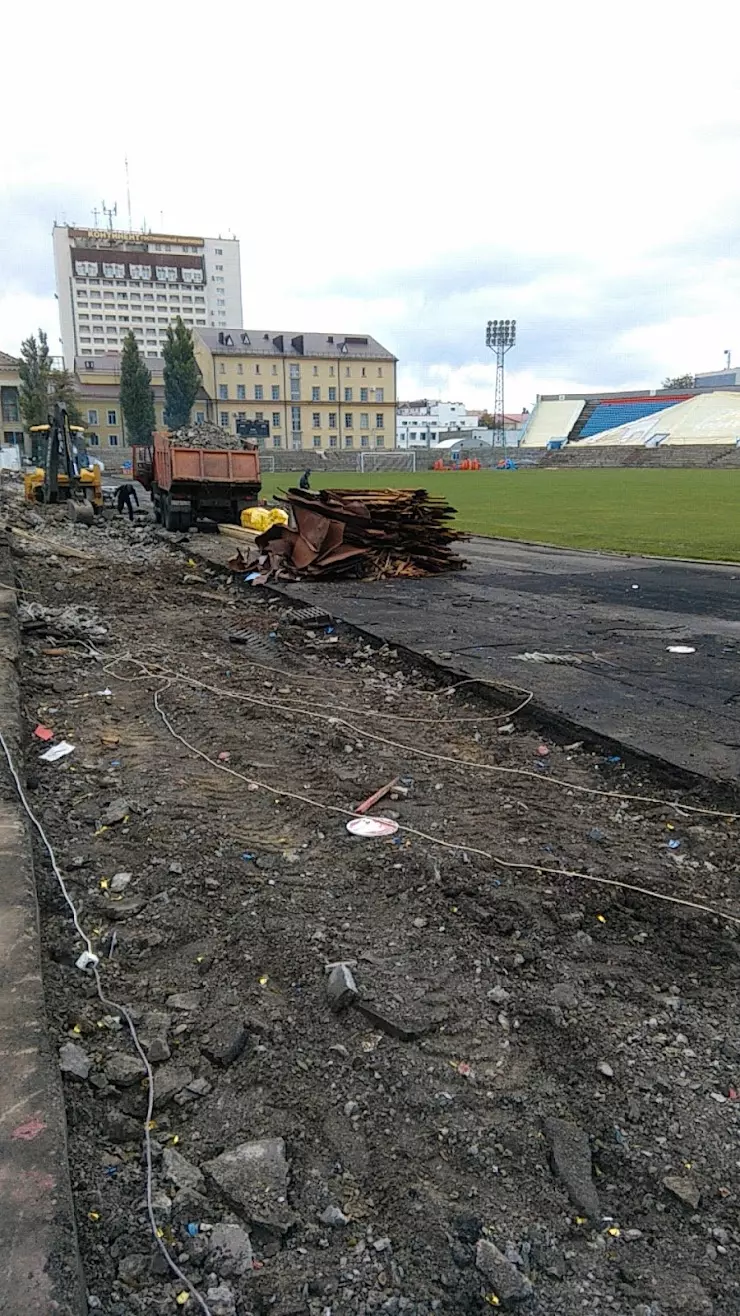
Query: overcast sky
[[404, 169]]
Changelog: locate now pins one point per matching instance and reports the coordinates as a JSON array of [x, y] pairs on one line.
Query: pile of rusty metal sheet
[[366, 533]]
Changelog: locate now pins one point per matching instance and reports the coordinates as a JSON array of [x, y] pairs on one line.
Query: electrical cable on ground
[[113, 1007], [275, 706], [435, 840]]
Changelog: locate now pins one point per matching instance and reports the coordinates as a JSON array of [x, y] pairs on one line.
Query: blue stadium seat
[[608, 415]]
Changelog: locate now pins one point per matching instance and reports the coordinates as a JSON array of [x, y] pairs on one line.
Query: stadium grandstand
[[707, 413]]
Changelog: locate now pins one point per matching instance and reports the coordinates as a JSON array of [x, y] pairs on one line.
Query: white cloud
[[353, 143]]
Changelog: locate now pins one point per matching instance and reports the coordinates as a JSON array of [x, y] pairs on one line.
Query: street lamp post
[[500, 338]]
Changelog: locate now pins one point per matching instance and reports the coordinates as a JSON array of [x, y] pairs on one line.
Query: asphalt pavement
[[614, 616]]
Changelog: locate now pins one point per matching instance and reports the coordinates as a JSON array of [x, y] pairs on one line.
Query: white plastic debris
[[57, 751], [680, 648], [372, 826]]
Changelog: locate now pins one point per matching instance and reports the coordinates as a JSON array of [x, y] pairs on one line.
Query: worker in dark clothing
[[305, 480], [125, 494]]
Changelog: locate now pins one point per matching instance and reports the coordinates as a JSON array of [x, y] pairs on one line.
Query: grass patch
[[679, 513]]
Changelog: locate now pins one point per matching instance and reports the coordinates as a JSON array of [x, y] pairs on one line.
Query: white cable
[[114, 1007]]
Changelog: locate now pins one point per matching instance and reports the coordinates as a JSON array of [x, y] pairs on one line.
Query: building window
[[364, 420], [277, 441], [92, 418], [316, 421], [276, 392], [349, 441], [223, 391], [315, 394], [333, 441], [348, 420], [257, 370], [219, 267], [274, 370], [347, 370], [295, 371], [218, 251], [259, 415], [331, 370], [332, 420], [297, 445], [364, 372], [364, 441], [276, 420], [363, 395], [224, 419], [240, 369], [380, 441], [348, 394], [332, 395], [112, 418], [200, 417], [94, 440], [317, 440], [380, 371], [241, 392], [295, 419], [379, 395], [222, 368], [379, 421], [113, 440], [258, 392]]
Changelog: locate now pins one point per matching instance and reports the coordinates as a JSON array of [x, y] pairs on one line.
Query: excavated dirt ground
[[508, 997]]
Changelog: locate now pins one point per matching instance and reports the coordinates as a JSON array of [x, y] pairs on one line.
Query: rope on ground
[[435, 840], [540, 778], [114, 1007]]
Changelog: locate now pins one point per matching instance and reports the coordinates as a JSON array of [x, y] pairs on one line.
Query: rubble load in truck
[[368, 534], [200, 472]]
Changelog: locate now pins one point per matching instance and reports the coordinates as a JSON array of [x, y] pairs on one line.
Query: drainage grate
[[308, 616]]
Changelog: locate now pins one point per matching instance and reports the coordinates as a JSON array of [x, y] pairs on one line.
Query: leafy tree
[[486, 420], [181, 375], [137, 398], [62, 390], [679, 381], [35, 371]]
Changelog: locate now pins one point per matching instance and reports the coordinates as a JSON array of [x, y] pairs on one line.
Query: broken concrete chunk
[[571, 1161], [119, 882], [231, 1251], [116, 812], [127, 907], [508, 1283], [225, 1042], [333, 1217], [124, 1070], [74, 1062], [180, 1172], [253, 1178], [183, 1001], [157, 1050], [684, 1189], [221, 1301], [168, 1081], [341, 987]]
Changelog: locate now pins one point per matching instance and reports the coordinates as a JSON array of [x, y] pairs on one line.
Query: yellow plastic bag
[[261, 518]]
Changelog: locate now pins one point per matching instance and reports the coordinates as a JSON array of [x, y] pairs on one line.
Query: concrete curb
[[40, 1269], [603, 552]]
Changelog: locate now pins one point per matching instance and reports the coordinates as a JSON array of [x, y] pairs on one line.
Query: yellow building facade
[[314, 391], [11, 425]]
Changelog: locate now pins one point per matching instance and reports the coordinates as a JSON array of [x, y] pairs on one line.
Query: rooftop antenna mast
[[128, 192], [96, 212], [110, 212]]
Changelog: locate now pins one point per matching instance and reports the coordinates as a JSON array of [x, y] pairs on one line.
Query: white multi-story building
[[420, 424], [109, 282]]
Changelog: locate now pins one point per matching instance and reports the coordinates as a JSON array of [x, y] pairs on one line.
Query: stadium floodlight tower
[[500, 338]]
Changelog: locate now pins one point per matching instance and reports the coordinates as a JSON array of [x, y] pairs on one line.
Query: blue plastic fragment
[[673, 845], [192, 1229], [111, 1171], [328, 630], [273, 635], [247, 855], [253, 575], [613, 758]]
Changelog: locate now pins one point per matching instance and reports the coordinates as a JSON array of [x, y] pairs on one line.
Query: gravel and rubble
[[449, 1140], [208, 435]]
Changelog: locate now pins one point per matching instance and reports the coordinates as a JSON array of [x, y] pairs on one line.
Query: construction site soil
[[531, 1102]]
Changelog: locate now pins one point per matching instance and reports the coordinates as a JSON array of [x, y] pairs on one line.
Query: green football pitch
[[681, 513]]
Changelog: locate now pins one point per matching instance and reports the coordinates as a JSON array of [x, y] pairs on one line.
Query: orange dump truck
[[187, 483]]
